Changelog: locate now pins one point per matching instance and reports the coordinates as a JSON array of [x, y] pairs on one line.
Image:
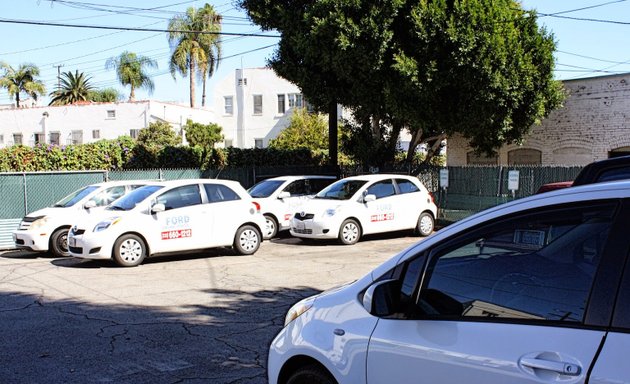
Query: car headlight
[[103, 225], [299, 309], [40, 222]]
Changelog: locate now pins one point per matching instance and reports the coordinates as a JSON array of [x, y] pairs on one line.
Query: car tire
[[311, 374], [129, 250], [425, 224], [271, 229], [349, 232], [59, 243], [247, 240]]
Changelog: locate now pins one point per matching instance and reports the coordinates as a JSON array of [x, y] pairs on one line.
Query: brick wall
[[595, 120]]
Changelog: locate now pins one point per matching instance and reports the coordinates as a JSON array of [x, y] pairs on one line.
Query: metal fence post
[[25, 194]]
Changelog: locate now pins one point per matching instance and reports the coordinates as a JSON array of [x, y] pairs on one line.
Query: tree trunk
[[332, 133], [203, 92], [192, 83], [17, 100], [132, 94], [416, 137]]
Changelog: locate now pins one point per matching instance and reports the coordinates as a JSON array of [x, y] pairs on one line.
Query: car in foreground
[[47, 229], [533, 291], [361, 205], [171, 217], [280, 197]]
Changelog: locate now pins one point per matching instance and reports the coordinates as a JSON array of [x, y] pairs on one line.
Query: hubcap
[[130, 250], [248, 240], [270, 227], [350, 232], [62, 242], [426, 224]]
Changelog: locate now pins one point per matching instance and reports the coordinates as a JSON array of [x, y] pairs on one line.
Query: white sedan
[[360, 205], [170, 217]]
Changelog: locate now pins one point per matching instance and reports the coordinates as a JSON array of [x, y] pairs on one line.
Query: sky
[[593, 39]]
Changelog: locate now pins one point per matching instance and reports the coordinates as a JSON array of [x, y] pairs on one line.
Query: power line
[[586, 19], [584, 8]]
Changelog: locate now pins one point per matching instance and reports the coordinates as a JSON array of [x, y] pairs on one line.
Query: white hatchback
[[170, 217], [47, 228], [361, 205], [280, 197], [533, 291]]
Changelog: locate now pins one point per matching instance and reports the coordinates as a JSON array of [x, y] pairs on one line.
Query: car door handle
[[568, 369]]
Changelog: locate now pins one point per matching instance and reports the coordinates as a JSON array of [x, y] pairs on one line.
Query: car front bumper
[[90, 246], [33, 240], [314, 229]]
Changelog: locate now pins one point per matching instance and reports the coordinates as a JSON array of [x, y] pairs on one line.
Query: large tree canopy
[[481, 68]]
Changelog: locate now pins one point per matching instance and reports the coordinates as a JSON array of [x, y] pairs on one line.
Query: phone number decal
[[382, 217], [176, 234]]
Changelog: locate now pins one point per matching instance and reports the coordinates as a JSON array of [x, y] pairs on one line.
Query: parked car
[[361, 205], [616, 168], [47, 229], [281, 197], [170, 217], [533, 291]]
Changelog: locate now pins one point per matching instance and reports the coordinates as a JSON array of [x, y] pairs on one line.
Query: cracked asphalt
[[205, 317]]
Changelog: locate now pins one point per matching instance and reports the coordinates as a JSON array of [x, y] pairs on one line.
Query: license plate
[[300, 225], [72, 242]]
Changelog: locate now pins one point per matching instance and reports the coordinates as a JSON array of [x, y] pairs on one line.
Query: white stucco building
[[85, 123]]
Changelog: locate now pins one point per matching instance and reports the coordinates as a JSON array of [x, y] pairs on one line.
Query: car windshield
[[133, 198], [341, 190], [75, 197], [265, 188]]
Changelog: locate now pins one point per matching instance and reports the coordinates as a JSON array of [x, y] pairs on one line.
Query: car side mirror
[[159, 207], [381, 298], [89, 204], [284, 195], [368, 198]]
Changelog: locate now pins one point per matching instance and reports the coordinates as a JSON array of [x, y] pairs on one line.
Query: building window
[[295, 100], [134, 133], [242, 82], [228, 143], [258, 105], [96, 134], [473, 158], [524, 156], [258, 143], [77, 137], [111, 114], [228, 102], [40, 138], [54, 138], [17, 139], [281, 107]]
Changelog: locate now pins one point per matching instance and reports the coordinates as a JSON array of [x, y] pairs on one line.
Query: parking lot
[[204, 317]]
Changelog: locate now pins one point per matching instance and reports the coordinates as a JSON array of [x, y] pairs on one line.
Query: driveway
[[199, 318]]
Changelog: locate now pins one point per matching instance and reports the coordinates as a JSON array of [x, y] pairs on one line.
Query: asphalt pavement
[[205, 317]]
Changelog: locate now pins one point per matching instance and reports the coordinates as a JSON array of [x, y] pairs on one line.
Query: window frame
[[257, 103], [228, 108], [281, 104]]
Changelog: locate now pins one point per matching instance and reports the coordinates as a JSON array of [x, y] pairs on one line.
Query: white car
[[533, 291], [47, 228], [361, 205], [170, 217], [281, 197]]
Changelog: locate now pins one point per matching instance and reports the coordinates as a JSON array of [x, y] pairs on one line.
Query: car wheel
[[59, 243], [425, 224], [247, 240], [311, 374], [129, 250], [271, 227], [350, 232]]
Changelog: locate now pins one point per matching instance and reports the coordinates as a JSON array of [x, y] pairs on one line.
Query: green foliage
[[158, 135], [107, 95], [203, 135], [130, 70], [306, 130], [238, 157], [73, 88], [21, 80]]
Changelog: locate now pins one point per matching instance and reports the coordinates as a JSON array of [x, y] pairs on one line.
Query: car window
[[75, 197], [619, 173], [315, 185], [538, 267], [296, 188], [218, 192], [406, 186], [264, 188], [341, 190], [382, 189], [179, 197], [108, 195]]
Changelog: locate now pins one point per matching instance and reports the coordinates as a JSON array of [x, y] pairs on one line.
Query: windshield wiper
[[116, 208]]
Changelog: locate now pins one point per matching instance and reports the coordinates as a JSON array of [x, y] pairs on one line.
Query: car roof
[[301, 177], [380, 176], [123, 182], [591, 172]]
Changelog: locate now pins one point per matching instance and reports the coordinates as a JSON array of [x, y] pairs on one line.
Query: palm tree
[[73, 88], [190, 49], [130, 71], [211, 22], [22, 80]]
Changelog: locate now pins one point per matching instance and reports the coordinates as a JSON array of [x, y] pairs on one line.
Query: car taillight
[[432, 197], [257, 206]]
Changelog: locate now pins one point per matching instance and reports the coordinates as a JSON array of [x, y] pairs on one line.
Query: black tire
[[349, 232], [247, 240], [272, 227], [59, 243], [425, 224], [311, 374], [129, 250]]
